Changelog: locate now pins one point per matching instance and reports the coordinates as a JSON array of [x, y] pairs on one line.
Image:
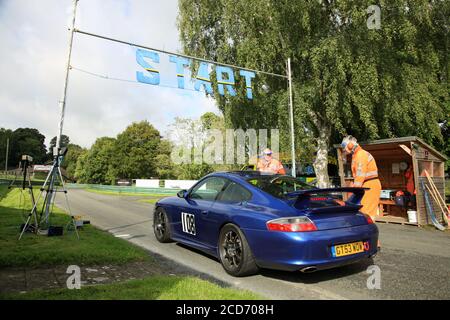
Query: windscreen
[[282, 186], [279, 186]]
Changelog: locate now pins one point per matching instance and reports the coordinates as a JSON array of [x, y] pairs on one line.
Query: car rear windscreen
[[279, 186]]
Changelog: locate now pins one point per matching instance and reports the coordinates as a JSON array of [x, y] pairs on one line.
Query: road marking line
[[121, 235]]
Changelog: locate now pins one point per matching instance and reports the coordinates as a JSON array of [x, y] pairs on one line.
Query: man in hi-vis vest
[[365, 174], [270, 165]]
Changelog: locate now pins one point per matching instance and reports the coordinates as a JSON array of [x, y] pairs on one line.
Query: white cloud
[[33, 52]]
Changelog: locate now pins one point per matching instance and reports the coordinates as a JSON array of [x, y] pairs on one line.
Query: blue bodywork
[[289, 251]]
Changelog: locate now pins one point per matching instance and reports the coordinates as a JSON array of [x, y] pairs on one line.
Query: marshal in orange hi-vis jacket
[[365, 174], [270, 165]]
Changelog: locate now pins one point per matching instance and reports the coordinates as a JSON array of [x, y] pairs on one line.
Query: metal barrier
[[122, 189]]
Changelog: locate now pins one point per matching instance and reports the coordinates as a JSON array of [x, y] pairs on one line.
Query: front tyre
[[161, 225], [234, 252]]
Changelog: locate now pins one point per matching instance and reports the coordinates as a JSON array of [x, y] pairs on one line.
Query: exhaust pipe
[[308, 269]]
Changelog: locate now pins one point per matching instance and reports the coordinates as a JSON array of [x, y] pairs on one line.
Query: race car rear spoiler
[[304, 197]]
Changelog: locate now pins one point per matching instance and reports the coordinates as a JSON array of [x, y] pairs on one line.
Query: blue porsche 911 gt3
[[249, 221]]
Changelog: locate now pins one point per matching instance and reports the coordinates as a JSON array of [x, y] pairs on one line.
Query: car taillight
[[369, 219], [295, 224]]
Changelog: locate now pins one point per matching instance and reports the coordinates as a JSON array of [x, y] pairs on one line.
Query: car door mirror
[[182, 193]]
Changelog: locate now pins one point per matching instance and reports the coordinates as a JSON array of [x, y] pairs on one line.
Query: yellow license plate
[[347, 249]]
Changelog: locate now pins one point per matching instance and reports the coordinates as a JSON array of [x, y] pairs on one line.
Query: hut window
[[425, 165], [438, 169]]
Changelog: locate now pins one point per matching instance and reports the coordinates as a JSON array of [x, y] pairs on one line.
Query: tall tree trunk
[[321, 162]]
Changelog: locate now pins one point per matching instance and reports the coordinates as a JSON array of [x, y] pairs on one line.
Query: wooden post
[[341, 172], [341, 167], [406, 149], [416, 184]]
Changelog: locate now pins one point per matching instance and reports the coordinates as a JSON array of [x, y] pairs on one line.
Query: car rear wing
[[304, 197]]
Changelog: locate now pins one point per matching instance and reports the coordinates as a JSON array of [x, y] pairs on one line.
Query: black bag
[[400, 201], [55, 231], [404, 200]]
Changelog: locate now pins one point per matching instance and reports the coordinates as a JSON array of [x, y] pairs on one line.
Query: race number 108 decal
[[188, 222]]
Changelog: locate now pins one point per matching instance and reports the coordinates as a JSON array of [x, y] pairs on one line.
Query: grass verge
[[152, 288], [93, 247], [151, 198], [152, 201]]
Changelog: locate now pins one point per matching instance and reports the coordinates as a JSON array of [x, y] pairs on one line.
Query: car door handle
[[204, 212]]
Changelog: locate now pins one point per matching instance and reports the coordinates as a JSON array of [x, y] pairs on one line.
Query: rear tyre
[[161, 225], [234, 252]]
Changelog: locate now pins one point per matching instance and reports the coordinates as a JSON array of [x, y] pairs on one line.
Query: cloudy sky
[[33, 51]]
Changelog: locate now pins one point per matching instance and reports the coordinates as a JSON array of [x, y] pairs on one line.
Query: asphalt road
[[414, 263]]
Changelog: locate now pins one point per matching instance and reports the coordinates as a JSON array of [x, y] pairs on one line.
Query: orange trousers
[[371, 199]]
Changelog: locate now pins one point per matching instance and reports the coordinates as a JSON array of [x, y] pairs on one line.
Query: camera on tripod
[[24, 164], [27, 158], [61, 152]]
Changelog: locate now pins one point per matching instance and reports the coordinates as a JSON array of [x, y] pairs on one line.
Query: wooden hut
[[393, 156]]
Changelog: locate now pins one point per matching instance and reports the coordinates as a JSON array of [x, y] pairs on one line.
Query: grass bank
[[151, 201], [153, 288], [151, 198], [93, 247]]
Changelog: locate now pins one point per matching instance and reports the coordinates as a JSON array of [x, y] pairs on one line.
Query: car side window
[[234, 193], [208, 189]]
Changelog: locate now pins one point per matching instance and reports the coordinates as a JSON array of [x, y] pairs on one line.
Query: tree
[[189, 137], [163, 164], [65, 140], [70, 160], [5, 134], [138, 152], [193, 171], [210, 120], [27, 141], [97, 164], [135, 151], [444, 146], [81, 172], [347, 79]]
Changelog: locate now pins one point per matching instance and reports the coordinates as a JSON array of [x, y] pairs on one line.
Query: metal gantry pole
[[291, 117], [62, 102]]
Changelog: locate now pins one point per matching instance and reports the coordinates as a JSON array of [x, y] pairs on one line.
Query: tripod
[[24, 164], [50, 188]]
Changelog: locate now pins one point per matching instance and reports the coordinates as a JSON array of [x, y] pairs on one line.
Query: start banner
[[225, 76]]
